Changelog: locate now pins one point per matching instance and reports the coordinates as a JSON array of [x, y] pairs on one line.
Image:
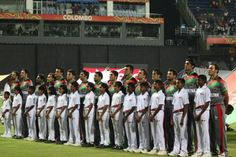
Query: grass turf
[[21, 148]]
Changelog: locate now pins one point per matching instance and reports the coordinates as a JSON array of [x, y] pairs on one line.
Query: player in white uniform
[[129, 108], [202, 100], [61, 113], [116, 114], [73, 115], [157, 118], [30, 112], [16, 113], [41, 112], [102, 115], [88, 114], [51, 112], [6, 114], [142, 118], [180, 105]]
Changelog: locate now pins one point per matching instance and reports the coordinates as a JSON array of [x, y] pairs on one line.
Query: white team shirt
[[6, 105], [157, 99], [117, 98], [103, 100], [89, 99], [142, 101], [42, 100], [180, 98], [62, 101], [17, 100], [129, 102], [203, 95], [31, 101], [74, 99], [52, 101]]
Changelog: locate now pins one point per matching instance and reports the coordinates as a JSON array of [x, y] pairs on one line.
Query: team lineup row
[[158, 118]]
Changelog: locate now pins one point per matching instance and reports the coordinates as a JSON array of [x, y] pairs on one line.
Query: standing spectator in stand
[[156, 117], [190, 78], [170, 87], [88, 114], [30, 112], [180, 106], [25, 82], [219, 102], [142, 118], [116, 114], [129, 118], [7, 114], [201, 115]]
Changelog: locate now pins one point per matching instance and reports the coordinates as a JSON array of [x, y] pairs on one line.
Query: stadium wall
[[44, 58]]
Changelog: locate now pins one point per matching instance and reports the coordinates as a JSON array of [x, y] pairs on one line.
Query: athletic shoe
[[162, 152], [138, 151], [183, 154], [126, 149], [68, 143], [144, 151], [206, 155], [153, 151], [76, 144], [133, 150], [173, 153], [222, 155], [197, 154]]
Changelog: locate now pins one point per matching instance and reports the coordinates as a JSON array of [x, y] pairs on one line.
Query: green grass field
[[21, 148]]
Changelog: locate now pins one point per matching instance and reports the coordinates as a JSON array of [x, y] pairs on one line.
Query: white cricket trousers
[[7, 124], [143, 130], [42, 125], [130, 130], [118, 127], [104, 129], [158, 131], [17, 121], [89, 126], [181, 136], [50, 122], [63, 126], [202, 128], [31, 124], [74, 136]]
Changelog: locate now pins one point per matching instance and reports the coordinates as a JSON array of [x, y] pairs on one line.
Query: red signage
[[54, 17], [223, 40]]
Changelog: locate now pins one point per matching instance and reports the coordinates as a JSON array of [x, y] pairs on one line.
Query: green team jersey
[[83, 88], [190, 82], [111, 86], [24, 85], [59, 82], [97, 88], [218, 89], [170, 90]]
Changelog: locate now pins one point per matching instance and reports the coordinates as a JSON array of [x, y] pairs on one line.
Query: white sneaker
[[183, 154], [76, 144], [133, 150], [162, 152], [138, 151], [3, 135], [144, 151], [197, 154], [222, 155], [68, 143], [153, 151], [206, 155], [126, 149], [27, 138], [173, 153]]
